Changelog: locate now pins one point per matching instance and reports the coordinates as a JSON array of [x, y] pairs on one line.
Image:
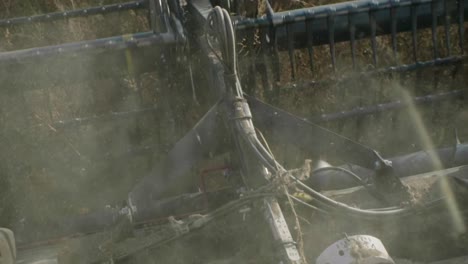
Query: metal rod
[[252, 69], [310, 41], [83, 12], [101, 118], [112, 43], [352, 37], [447, 26], [461, 27], [420, 65], [414, 30], [331, 37], [292, 59], [434, 29], [393, 25], [275, 53], [390, 106], [373, 31]]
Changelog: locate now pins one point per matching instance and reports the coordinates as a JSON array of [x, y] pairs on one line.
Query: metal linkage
[[137, 40], [414, 30], [435, 47], [461, 26], [292, 58], [373, 32], [83, 12], [447, 26], [331, 36], [310, 41], [393, 27]]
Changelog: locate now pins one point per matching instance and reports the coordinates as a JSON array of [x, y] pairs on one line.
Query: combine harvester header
[[238, 58]]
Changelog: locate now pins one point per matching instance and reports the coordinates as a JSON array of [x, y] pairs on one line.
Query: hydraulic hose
[[344, 208], [219, 23]]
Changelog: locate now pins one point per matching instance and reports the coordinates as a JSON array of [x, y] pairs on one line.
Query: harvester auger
[[251, 208]]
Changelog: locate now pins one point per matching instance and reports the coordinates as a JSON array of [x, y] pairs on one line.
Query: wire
[[355, 177], [344, 208], [308, 205]]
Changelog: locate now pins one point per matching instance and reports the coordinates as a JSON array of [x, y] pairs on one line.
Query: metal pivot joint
[[385, 178]]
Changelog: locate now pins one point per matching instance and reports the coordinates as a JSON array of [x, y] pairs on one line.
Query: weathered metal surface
[[281, 233], [170, 174], [304, 134]]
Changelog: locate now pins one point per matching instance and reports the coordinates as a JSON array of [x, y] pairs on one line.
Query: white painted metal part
[[358, 249], [7, 246]]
